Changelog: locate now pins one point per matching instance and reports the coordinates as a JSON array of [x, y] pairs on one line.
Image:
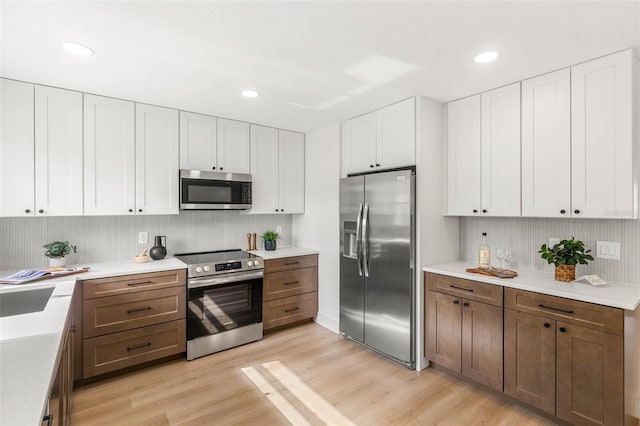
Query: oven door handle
[[209, 282]]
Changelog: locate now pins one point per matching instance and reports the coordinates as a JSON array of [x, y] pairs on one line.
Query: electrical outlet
[[143, 237], [279, 229], [553, 241], [608, 250]]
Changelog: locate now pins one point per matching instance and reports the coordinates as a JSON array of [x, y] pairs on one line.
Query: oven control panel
[[224, 267]]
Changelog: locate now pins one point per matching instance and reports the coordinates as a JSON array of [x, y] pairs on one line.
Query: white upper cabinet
[[156, 160], [382, 139], [501, 151], [264, 170], [234, 146], [17, 191], [463, 156], [58, 152], [291, 172], [198, 141], [604, 184], [546, 145], [109, 156], [277, 167]]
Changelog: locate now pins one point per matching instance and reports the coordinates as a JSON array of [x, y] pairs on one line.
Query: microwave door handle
[[358, 238], [365, 240]]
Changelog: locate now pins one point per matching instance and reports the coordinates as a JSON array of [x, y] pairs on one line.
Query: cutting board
[[502, 273]]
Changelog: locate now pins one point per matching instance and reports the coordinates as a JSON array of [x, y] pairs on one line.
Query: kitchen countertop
[[284, 252], [30, 344], [618, 295]]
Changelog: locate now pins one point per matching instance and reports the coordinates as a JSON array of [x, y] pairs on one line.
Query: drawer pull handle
[[291, 263], [144, 345], [461, 288], [555, 309], [547, 325], [140, 283], [291, 282], [465, 304], [456, 302], [130, 311], [291, 310]]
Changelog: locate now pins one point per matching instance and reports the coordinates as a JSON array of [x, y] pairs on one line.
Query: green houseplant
[[269, 238], [57, 250], [565, 256]]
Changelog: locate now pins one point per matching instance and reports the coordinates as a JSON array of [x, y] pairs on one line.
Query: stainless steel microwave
[[201, 190]]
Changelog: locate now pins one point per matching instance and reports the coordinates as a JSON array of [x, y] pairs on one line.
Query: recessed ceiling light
[[486, 57], [250, 93], [77, 48]]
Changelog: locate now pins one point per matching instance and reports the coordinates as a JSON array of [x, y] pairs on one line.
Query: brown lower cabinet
[[464, 334], [130, 319], [572, 371], [290, 290]]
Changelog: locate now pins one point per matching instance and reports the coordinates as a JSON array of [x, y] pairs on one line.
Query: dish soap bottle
[[484, 253]]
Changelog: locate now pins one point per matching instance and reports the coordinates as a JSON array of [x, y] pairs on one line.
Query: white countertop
[[618, 295], [284, 252], [30, 344]]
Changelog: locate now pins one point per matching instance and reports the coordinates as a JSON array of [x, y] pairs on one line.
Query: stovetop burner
[[208, 263]]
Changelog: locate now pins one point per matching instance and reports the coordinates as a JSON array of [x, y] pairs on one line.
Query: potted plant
[[269, 238], [565, 256], [57, 250]]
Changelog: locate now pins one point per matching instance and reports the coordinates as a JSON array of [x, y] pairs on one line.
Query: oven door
[[223, 303], [201, 190]]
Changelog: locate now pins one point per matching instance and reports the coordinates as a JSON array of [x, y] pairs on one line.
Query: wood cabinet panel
[[482, 343], [589, 376], [289, 283], [474, 290], [530, 359], [126, 311], [289, 309], [112, 286], [119, 350], [590, 315], [287, 263], [444, 330]]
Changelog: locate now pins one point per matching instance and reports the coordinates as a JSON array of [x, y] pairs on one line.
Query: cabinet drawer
[[119, 350], [289, 309], [289, 283], [590, 315], [119, 313], [474, 290], [273, 265], [103, 287]]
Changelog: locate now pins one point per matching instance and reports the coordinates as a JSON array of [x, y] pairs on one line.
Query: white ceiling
[[313, 62]]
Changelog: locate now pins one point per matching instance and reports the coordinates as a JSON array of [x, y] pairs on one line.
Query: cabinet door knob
[[475, 210], [220, 168], [377, 165], [40, 211], [562, 329], [465, 304], [547, 325], [130, 210], [139, 210], [371, 165], [213, 168], [576, 211], [456, 302], [27, 211], [563, 211], [484, 210]]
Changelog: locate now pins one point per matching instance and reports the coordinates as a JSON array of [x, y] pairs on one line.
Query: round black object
[[158, 251]]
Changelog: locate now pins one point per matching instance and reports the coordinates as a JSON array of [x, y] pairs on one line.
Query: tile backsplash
[[524, 236], [109, 238]]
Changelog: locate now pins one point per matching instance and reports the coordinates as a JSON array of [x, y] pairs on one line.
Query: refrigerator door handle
[[365, 240], [358, 240]]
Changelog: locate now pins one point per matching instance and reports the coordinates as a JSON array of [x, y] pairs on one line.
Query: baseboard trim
[[328, 322]]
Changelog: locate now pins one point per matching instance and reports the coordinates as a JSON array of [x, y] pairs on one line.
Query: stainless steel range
[[224, 307]]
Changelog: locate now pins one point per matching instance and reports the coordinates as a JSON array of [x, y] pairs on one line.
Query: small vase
[[57, 261], [158, 251], [566, 273], [270, 245]]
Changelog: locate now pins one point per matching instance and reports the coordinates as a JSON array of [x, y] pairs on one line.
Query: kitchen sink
[[24, 302]]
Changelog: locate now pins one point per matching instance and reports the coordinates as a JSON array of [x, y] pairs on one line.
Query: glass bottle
[[484, 253]]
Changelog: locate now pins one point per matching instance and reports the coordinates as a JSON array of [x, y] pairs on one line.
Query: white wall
[[318, 228]]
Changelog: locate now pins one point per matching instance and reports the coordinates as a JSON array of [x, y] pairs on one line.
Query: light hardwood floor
[[363, 386]]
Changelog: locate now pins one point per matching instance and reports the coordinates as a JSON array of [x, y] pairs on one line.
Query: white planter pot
[[57, 261]]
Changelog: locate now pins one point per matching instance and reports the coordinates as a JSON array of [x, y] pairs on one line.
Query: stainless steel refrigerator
[[377, 258]]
